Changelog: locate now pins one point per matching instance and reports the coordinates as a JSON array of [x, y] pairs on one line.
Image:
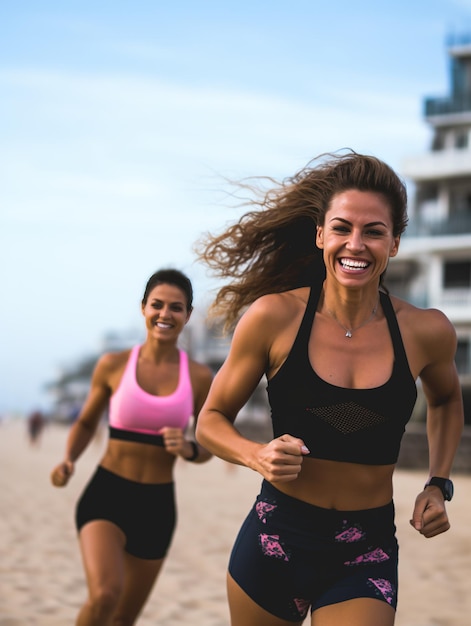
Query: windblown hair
[[272, 247]]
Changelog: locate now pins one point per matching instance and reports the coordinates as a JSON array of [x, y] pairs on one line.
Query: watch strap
[[444, 484]]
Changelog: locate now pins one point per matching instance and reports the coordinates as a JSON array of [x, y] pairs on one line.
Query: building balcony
[[420, 300], [458, 223], [434, 107], [459, 299], [435, 166]]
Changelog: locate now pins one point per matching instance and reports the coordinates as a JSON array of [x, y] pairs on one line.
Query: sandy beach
[[41, 578]]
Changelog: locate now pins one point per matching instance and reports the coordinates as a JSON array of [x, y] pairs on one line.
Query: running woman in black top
[[341, 357]]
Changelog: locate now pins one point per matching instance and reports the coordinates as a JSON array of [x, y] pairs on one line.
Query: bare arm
[[175, 440], [84, 428], [204, 378], [445, 419], [248, 359]]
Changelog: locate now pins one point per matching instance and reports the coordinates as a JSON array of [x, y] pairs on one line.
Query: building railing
[[458, 223], [444, 106], [420, 300], [456, 298]]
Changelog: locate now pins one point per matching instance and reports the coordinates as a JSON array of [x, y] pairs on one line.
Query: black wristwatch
[[444, 484]]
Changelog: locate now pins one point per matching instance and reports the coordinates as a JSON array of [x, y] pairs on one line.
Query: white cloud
[[101, 147]]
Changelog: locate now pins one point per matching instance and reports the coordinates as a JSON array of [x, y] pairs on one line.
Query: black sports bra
[[352, 425]]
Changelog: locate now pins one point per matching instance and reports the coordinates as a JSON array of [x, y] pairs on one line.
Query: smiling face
[[166, 312], [357, 238]]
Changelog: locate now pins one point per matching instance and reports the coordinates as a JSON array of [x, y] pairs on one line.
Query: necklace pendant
[[348, 334]]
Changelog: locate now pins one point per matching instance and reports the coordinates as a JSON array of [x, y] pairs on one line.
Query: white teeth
[[350, 264], [162, 325]]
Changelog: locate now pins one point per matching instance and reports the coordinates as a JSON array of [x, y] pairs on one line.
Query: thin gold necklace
[[349, 331]]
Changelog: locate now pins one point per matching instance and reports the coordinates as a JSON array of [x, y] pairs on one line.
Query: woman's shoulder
[[270, 318], [430, 326], [201, 377], [109, 368], [433, 319], [280, 306], [112, 361], [199, 371]]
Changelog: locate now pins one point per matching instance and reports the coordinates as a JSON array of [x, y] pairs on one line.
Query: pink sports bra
[[135, 415]]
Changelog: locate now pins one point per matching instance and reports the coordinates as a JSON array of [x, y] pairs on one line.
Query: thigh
[[245, 612], [149, 520], [102, 548], [145, 512], [358, 612], [140, 576], [264, 566]]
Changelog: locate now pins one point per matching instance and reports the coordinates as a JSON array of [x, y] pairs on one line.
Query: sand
[[41, 577]]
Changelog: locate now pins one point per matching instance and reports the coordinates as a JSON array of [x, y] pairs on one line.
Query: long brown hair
[[271, 248]]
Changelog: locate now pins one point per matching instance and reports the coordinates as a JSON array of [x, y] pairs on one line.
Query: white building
[[433, 269]]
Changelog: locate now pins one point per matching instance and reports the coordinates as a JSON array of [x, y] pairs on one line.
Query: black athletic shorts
[[291, 556], [146, 513]]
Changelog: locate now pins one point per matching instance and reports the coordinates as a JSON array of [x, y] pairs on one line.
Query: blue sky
[[119, 120]]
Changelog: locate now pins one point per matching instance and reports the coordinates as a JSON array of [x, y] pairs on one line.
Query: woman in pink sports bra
[[126, 514]]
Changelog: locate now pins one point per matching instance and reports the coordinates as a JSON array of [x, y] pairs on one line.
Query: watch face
[[445, 485], [448, 489]]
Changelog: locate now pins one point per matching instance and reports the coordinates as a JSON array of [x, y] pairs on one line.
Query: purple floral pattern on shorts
[[272, 547], [385, 588], [350, 535], [375, 556], [301, 606], [264, 509]]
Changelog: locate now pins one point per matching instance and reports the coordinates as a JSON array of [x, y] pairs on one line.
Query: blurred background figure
[[35, 425]]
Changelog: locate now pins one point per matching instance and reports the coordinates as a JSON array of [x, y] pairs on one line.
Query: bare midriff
[[141, 462], [341, 486]]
